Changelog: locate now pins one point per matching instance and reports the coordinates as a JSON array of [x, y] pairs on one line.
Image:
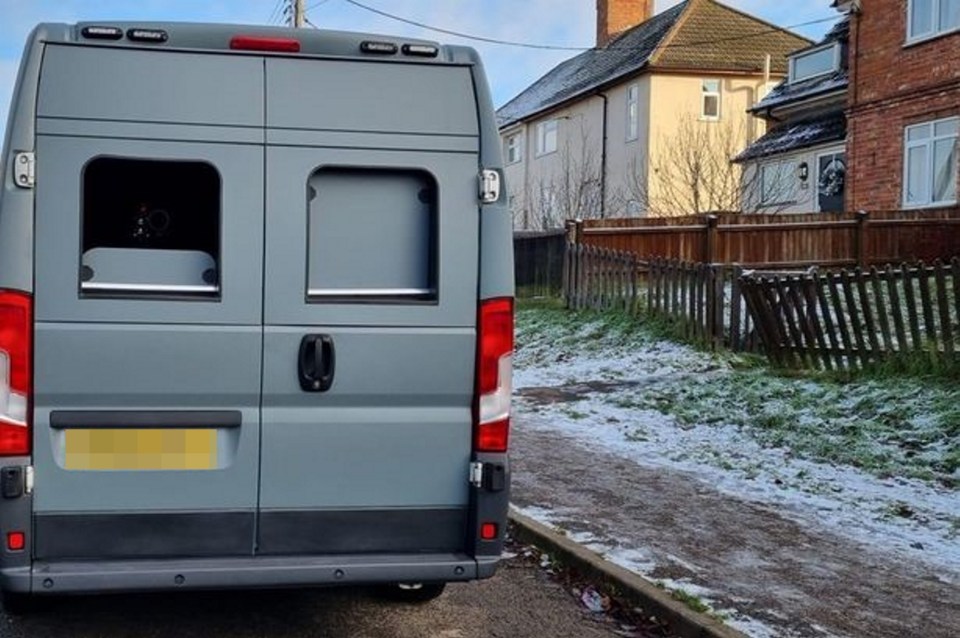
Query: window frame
[[929, 143], [792, 62], [633, 116], [936, 30], [542, 132], [787, 195], [207, 291], [513, 144], [704, 94]]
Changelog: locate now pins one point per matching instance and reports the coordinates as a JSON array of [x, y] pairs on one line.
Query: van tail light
[[16, 372], [491, 429], [257, 43]]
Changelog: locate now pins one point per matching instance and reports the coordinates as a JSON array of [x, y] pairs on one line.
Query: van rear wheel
[[415, 593]]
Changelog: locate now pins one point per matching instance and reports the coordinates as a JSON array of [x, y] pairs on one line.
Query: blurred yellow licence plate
[[141, 449]]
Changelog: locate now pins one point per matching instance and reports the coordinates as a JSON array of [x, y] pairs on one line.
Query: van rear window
[[150, 227], [372, 235]]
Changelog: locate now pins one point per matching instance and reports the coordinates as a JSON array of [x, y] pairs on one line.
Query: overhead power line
[[553, 47]]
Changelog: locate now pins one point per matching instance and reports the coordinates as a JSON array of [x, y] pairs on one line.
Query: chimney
[[616, 16]]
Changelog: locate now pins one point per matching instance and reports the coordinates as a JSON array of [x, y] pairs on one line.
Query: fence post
[[860, 238], [710, 240], [578, 231]]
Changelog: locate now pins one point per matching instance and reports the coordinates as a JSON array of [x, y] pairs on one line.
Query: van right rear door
[[370, 308]]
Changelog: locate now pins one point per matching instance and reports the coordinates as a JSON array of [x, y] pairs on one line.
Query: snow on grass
[[877, 461]]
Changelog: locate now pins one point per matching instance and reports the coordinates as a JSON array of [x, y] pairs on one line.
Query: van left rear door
[[148, 328]]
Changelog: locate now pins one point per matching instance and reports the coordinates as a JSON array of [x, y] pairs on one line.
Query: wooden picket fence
[[702, 301], [600, 279], [855, 318]]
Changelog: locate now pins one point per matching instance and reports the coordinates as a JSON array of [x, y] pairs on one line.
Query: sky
[[510, 69]]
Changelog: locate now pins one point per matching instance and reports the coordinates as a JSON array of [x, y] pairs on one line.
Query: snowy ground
[[875, 462]]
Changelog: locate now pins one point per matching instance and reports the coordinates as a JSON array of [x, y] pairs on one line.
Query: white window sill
[[705, 118], [544, 154], [923, 39], [632, 139], [930, 205]]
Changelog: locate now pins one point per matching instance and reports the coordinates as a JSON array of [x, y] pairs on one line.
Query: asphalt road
[[519, 601]]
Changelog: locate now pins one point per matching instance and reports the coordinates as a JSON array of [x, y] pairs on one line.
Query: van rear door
[[148, 333], [370, 307]]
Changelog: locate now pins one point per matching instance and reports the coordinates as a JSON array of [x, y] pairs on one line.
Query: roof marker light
[[258, 43], [422, 50], [102, 33], [383, 48], [147, 35]]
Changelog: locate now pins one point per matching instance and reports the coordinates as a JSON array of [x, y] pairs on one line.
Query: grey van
[[256, 313]]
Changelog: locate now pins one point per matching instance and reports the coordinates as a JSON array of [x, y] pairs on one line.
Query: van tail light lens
[[16, 372], [257, 43], [494, 375]]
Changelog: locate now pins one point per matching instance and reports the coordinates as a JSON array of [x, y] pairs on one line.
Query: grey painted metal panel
[[151, 86], [150, 131], [374, 141], [288, 173], [16, 204], [394, 430], [91, 366], [344, 256], [370, 96], [58, 227]]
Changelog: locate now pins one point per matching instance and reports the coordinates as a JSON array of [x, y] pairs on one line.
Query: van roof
[[253, 39]]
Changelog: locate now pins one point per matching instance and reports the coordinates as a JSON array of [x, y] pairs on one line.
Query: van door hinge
[[25, 169], [28, 480], [489, 186], [476, 474]]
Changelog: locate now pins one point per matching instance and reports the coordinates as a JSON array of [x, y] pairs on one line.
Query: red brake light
[[257, 43], [16, 541], [488, 531], [494, 375], [16, 352]]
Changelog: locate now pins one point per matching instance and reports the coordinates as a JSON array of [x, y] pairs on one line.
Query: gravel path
[[772, 575]]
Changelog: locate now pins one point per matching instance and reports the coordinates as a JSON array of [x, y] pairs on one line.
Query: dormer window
[[814, 62]]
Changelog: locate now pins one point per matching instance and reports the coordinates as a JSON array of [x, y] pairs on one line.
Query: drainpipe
[[603, 158]]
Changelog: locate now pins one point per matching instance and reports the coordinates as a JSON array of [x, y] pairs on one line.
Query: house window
[[778, 183], [547, 137], [513, 148], [927, 18], [930, 163], [710, 91], [633, 112], [815, 62]]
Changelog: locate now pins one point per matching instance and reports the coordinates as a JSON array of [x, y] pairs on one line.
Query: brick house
[[903, 113], [605, 133]]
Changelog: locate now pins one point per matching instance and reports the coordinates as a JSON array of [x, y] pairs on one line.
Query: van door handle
[[317, 363]]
